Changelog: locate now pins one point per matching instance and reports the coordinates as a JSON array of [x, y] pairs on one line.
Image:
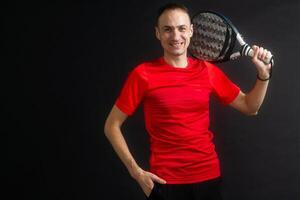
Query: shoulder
[[212, 68], [141, 71], [203, 64], [143, 68]]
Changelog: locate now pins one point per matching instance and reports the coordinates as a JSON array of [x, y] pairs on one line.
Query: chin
[[178, 53]]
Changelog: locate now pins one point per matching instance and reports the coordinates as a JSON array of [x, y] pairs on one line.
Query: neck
[[177, 61]]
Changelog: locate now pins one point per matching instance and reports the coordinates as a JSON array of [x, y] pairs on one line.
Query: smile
[[176, 44]]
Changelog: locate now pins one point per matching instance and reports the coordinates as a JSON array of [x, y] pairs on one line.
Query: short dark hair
[[171, 6]]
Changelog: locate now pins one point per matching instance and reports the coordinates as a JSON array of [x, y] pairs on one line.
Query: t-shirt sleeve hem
[[235, 93], [123, 108]]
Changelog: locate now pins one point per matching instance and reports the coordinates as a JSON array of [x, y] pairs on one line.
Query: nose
[[176, 34]]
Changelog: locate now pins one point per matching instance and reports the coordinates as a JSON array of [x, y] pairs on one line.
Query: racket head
[[214, 37]]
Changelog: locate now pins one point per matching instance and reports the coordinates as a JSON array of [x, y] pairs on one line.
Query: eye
[[167, 29], [182, 29]]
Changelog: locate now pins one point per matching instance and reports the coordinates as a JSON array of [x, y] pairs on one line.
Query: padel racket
[[216, 39]]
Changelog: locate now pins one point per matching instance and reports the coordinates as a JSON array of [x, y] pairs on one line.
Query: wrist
[[135, 172], [263, 77]]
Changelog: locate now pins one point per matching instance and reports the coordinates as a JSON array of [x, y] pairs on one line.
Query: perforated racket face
[[212, 37]]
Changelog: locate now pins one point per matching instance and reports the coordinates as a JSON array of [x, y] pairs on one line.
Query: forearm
[[255, 97], [119, 144]]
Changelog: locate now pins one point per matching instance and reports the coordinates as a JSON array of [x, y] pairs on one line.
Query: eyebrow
[[166, 26]]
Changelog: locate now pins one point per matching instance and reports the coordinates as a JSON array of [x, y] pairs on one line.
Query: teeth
[[176, 44]]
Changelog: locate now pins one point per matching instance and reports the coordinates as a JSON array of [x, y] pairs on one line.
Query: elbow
[[107, 128], [250, 112], [251, 109], [113, 122], [110, 127]]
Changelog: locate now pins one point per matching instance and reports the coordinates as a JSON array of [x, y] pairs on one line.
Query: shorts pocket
[[155, 194], [152, 192]]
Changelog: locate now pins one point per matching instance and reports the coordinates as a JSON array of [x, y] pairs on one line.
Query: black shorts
[[207, 190]]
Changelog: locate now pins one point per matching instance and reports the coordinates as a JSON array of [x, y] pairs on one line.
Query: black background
[[64, 64]]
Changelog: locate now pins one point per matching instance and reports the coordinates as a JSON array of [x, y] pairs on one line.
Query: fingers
[[260, 53], [146, 181], [157, 179], [147, 187], [269, 55], [154, 178]]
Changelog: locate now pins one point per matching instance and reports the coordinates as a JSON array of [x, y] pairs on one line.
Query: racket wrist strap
[[262, 79], [265, 79]]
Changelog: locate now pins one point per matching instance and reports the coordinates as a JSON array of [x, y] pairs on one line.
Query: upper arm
[[222, 86], [240, 104], [115, 118]]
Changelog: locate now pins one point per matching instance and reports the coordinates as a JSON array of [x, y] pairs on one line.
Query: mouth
[[176, 44]]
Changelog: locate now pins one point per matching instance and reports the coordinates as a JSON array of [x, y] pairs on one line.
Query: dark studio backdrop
[[65, 64]]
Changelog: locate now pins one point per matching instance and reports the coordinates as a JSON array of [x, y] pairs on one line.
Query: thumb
[[255, 49], [158, 179]]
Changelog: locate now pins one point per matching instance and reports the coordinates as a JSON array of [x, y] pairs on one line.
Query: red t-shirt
[[176, 111]]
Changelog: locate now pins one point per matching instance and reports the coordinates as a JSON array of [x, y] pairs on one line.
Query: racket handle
[[248, 51]]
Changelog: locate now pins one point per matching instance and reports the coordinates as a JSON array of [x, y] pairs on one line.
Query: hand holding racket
[[214, 39]]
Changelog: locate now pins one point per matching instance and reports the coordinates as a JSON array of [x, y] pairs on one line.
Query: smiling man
[[175, 91], [174, 31]]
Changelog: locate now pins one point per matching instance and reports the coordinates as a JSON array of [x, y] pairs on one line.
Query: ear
[[157, 33], [191, 30]]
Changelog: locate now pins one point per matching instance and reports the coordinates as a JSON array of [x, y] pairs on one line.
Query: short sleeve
[[223, 87], [132, 92]]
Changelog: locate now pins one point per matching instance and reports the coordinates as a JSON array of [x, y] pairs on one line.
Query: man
[[175, 92]]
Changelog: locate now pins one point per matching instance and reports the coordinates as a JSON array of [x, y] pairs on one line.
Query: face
[[174, 31]]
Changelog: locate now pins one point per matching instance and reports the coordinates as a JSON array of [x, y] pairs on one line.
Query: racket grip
[[248, 51]]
